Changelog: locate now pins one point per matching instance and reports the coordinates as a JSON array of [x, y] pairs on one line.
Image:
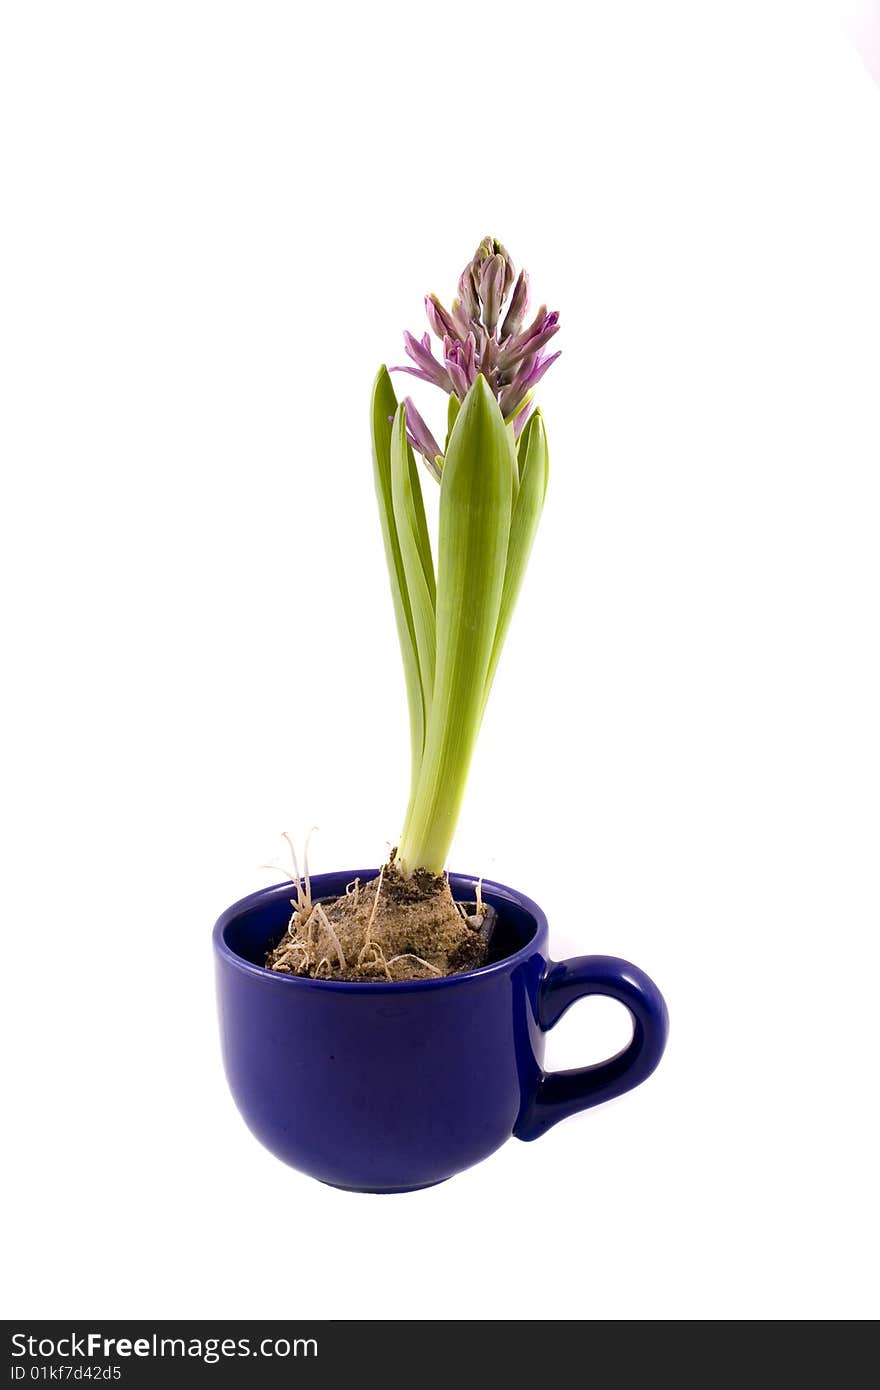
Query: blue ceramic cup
[[391, 1087]]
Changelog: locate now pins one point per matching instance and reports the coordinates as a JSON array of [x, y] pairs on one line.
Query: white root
[[285, 951], [285, 955], [302, 881], [307, 960], [476, 918], [285, 835], [367, 941], [280, 869], [409, 955], [328, 927], [308, 881], [378, 959]]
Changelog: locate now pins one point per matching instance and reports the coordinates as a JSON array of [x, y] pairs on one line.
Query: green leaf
[[383, 409], [529, 503], [476, 495], [415, 552], [452, 410]]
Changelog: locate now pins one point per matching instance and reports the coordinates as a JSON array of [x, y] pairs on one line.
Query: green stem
[[476, 496]]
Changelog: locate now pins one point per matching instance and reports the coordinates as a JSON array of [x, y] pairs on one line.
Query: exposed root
[[310, 928], [284, 955], [306, 856], [369, 926], [476, 918], [392, 928], [409, 955], [328, 927], [303, 902], [381, 961]]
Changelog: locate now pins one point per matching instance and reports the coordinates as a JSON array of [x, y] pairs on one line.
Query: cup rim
[[494, 892]]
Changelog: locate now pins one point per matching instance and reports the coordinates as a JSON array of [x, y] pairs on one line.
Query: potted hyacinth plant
[[452, 1065], [492, 474]]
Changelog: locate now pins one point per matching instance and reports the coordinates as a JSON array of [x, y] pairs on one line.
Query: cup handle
[[563, 1093]]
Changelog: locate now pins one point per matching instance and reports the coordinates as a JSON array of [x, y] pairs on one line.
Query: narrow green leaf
[[383, 409], [523, 405], [511, 434], [415, 551], [475, 514], [452, 410], [533, 473]]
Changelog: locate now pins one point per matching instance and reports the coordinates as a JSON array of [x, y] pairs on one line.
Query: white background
[[218, 219]]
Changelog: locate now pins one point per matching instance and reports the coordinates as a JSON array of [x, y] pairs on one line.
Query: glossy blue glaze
[[391, 1087]]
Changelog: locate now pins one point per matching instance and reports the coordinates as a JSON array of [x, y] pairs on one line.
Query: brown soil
[[392, 928]]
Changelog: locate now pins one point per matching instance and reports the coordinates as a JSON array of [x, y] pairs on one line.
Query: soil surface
[[391, 928]]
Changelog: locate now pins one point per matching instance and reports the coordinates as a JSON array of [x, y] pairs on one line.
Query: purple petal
[[421, 354], [467, 293], [460, 319], [492, 291], [418, 373], [509, 269], [542, 339], [440, 319], [461, 363], [487, 356], [522, 418], [485, 249], [540, 367], [527, 379], [458, 378], [526, 344], [489, 249], [420, 437], [516, 312]]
